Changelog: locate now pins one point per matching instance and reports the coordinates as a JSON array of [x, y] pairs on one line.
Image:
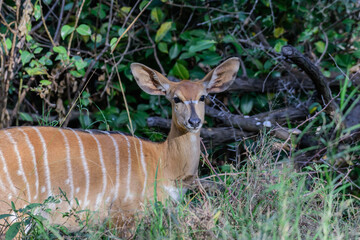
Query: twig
[[58, 27], [155, 52], [326, 46], [128, 28], [198, 7], [314, 73], [115, 66], [75, 26], [46, 29], [222, 174], [37, 26]]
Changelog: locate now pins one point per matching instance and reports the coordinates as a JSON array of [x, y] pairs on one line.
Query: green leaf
[[357, 53], [60, 49], [84, 30], [126, 9], [257, 63], [65, 31], [174, 51], [37, 12], [247, 103], [38, 50], [2, 216], [44, 60], [8, 43], [320, 46], [76, 74], [96, 38], [25, 117], [162, 31], [113, 42], [279, 44], [344, 60], [13, 231], [232, 39], [210, 58], [26, 57], [261, 101], [143, 4], [35, 71], [187, 55], [202, 45], [45, 82], [163, 47], [79, 62], [278, 32], [157, 15], [121, 31], [268, 64], [180, 71]]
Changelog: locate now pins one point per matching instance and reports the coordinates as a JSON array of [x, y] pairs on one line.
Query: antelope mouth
[[193, 129]]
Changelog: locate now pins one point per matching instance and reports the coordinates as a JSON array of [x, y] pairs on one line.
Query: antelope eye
[[202, 98], [177, 100]]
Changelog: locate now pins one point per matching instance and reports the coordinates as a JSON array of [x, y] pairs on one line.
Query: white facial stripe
[[191, 101]]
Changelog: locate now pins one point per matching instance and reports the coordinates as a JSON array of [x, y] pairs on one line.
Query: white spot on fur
[[174, 192], [193, 139], [43, 188], [77, 190], [267, 124], [191, 101], [165, 86], [98, 200], [12, 218], [67, 181], [10, 197], [19, 172]]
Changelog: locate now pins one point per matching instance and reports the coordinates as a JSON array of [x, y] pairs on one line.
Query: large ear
[[149, 80], [220, 78]]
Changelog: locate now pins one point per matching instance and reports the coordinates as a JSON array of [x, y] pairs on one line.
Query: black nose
[[194, 122]]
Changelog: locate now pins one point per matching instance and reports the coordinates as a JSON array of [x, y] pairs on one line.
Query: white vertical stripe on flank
[[128, 194], [21, 169], [86, 169], [32, 151], [117, 159], [2, 187], [7, 172], [46, 163], [143, 163], [68, 165], [103, 169]]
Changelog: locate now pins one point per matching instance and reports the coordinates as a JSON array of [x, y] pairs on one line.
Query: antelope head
[[187, 97]]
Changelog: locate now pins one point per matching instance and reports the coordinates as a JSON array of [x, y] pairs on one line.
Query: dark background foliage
[[56, 54]]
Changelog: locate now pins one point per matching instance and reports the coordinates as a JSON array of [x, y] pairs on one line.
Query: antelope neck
[[182, 154]]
